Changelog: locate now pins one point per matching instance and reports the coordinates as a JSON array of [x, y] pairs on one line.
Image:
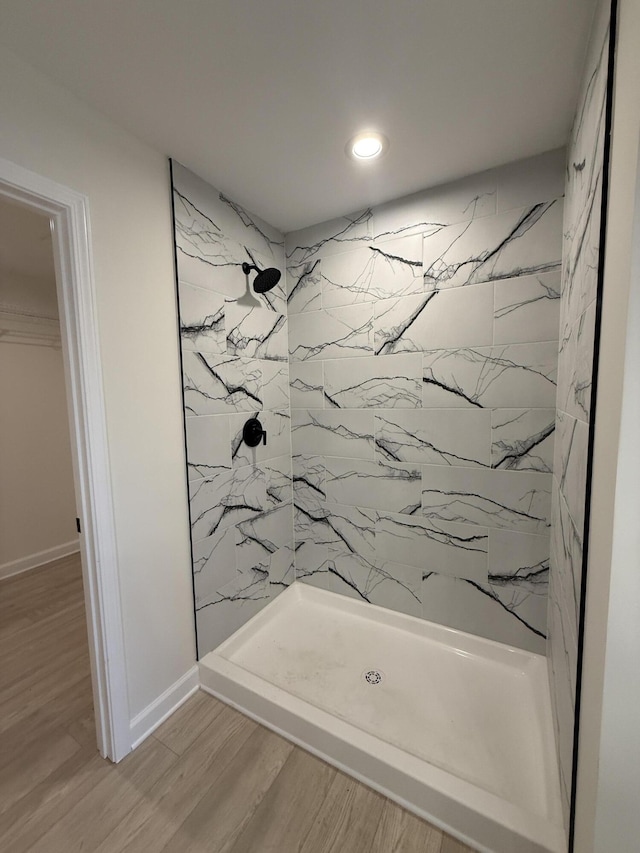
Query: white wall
[[50, 132], [619, 771], [607, 815], [37, 500]]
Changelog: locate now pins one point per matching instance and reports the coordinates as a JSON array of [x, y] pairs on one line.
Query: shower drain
[[373, 676]]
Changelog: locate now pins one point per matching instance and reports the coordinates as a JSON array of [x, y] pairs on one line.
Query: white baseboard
[[33, 561], [148, 720]]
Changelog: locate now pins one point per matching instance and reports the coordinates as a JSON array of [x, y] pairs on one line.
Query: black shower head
[[265, 280]]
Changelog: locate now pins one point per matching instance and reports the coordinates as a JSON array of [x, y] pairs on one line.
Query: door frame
[[68, 212]]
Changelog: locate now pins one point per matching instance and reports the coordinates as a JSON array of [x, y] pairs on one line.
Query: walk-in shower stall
[[388, 566]]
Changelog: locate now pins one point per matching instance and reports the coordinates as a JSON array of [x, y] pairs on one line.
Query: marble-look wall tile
[[436, 436], [368, 484], [581, 263], [278, 480], [517, 554], [562, 642], [401, 590], [503, 612], [506, 376], [426, 212], [245, 586], [395, 387], [275, 385], [224, 499], [346, 527], [233, 224], [567, 558], [522, 439], [214, 236], [235, 365], [386, 382], [214, 564], [215, 384], [307, 384], [331, 333], [570, 464], [561, 658], [460, 381], [232, 606], [208, 445], [563, 636], [566, 561], [304, 289], [445, 318], [527, 308], [204, 257], [259, 539], [327, 238], [333, 433], [575, 366], [518, 242], [534, 180], [524, 596], [309, 557], [392, 585], [346, 278], [397, 267], [256, 333], [396, 587], [585, 164], [515, 500], [282, 571], [580, 284], [459, 550], [519, 580], [379, 271], [308, 512], [309, 473], [201, 319]]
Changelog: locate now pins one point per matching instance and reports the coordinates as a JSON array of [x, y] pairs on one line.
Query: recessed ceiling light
[[367, 145]]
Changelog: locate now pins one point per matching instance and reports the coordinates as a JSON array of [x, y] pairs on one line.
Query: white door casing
[[69, 216]]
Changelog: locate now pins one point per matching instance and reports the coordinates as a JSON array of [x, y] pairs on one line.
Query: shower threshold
[[454, 727]]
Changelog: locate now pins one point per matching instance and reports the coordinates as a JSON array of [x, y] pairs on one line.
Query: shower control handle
[[253, 434]]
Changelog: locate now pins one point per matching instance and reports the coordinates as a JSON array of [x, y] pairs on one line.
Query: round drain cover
[[373, 676]]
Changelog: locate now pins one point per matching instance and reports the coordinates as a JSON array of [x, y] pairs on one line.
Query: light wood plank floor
[[208, 780]]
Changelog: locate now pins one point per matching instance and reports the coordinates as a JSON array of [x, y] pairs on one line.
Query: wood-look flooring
[[208, 780]]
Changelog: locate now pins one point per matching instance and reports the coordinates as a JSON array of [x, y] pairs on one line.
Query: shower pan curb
[[477, 817]]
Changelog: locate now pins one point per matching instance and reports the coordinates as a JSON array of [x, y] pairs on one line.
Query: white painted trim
[[40, 558], [69, 216], [148, 720]]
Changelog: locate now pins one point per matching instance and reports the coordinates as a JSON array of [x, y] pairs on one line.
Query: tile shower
[[423, 346], [235, 365], [574, 416], [420, 403], [423, 373]]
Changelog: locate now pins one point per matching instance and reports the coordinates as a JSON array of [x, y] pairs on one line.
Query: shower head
[[265, 280]]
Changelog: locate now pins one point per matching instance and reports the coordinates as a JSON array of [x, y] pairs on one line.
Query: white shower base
[[458, 730]]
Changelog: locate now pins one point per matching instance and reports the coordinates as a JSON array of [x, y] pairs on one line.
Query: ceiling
[[259, 97]]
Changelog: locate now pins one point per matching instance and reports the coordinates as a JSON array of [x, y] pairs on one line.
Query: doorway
[[68, 214], [45, 687]]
